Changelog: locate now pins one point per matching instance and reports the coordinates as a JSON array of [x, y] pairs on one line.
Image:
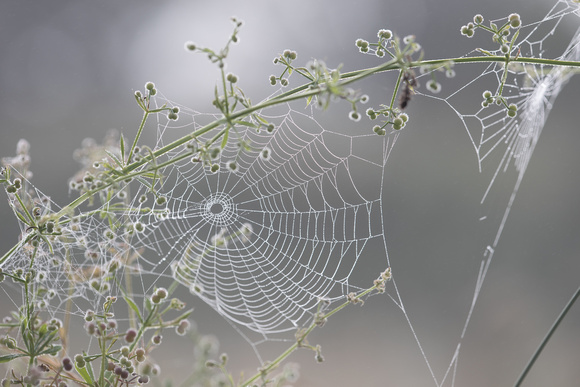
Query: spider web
[[503, 145], [264, 242], [266, 239]]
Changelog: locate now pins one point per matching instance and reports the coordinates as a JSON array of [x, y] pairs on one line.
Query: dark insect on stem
[[409, 84]]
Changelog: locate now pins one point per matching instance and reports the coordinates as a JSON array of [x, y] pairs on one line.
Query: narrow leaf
[[115, 158], [123, 148], [225, 139], [131, 304], [89, 368], [53, 350], [261, 119], [85, 375], [10, 356], [246, 123]]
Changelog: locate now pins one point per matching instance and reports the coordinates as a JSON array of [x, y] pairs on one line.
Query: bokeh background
[[68, 70]]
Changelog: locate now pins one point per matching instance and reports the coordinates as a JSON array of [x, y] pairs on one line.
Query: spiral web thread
[[265, 242]]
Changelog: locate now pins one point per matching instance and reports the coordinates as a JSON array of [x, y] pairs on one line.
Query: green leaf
[[44, 340], [225, 139], [261, 119], [53, 350], [85, 374], [132, 305], [484, 52], [309, 100], [89, 368], [515, 36], [115, 158], [123, 148], [246, 123], [148, 306], [184, 315], [10, 356]]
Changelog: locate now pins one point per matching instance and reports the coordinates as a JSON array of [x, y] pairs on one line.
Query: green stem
[[104, 363], [292, 95], [139, 131], [224, 87], [143, 328], [397, 85], [30, 217], [536, 354]]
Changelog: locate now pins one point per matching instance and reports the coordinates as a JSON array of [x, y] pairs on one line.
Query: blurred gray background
[[68, 70]]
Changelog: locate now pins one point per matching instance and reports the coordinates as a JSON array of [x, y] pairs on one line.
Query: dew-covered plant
[[89, 261]]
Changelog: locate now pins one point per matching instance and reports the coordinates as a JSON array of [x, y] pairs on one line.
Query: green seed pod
[[162, 293], [265, 154], [139, 227], [385, 34], [231, 78], [434, 86], [514, 20]]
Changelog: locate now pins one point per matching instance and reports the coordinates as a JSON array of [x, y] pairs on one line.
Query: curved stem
[[292, 95]]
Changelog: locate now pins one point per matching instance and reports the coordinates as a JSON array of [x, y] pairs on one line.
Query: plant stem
[[297, 93], [139, 131], [300, 341], [536, 354], [397, 85]]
